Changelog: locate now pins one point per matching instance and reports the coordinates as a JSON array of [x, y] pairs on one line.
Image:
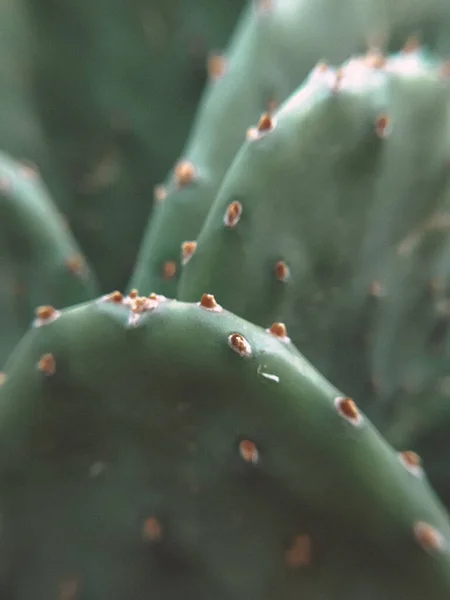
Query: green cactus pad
[[40, 262], [155, 448], [340, 210], [274, 48]]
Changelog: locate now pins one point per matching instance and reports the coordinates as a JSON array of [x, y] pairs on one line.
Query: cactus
[[174, 449], [21, 132], [333, 219], [40, 260], [124, 78], [247, 475], [274, 48]]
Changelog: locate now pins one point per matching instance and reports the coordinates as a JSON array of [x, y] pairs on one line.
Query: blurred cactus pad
[[262, 412]]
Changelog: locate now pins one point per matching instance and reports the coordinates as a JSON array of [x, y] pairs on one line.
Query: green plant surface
[[153, 447]]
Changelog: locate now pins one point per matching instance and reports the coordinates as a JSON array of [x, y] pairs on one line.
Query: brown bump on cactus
[[279, 331], [444, 69], [68, 590], [412, 462], [187, 250], [133, 294], [159, 194], [382, 125], [375, 59], [436, 285], [2, 378], [209, 303], [5, 184], [266, 124], [28, 170], [239, 344], [75, 264], [428, 537], [338, 80], [216, 66], [347, 408], [299, 553], [412, 44], [115, 297], [249, 451], [233, 214], [376, 289], [45, 315], [152, 529], [184, 173], [169, 269], [263, 5], [321, 67], [47, 364], [282, 271]]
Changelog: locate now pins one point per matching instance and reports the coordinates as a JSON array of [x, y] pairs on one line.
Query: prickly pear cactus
[[40, 260], [276, 45], [334, 218], [245, 476], [124, 78]]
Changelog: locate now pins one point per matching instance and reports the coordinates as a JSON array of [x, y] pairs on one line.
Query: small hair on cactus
[[279, 331], [187, 250], [282, 271], [233, 214], [239, 344], [184, 173], [383, 125], [216, 66], [47, 364], [347, 408], [249, 452], [209, 303], [152, 529], [412, 462], [428, 537], [45, 315], [159, 193], [75, 264], [133, 294], [299, 553], [169, 269]]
